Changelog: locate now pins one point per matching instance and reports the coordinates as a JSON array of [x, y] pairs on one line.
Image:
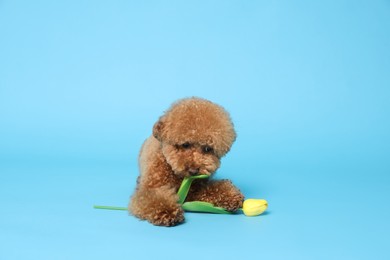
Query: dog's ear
[[157, 129]]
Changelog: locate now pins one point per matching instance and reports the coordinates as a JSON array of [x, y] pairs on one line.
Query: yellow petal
[[254, 207]]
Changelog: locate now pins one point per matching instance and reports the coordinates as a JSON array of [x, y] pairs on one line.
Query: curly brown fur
[[189, 139], [221, 193]]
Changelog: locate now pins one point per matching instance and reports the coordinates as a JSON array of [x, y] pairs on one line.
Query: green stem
[[192, 206], [185, 186], [109, 207]]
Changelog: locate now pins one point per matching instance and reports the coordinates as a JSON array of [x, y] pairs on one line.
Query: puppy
[[189, 139]]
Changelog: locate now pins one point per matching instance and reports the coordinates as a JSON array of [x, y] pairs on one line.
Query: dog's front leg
[[157, 205], [221, 193]]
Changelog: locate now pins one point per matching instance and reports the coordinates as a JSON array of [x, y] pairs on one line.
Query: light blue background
[[307, 84]]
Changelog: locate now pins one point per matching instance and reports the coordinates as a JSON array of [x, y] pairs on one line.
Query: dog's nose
[[193, 171]]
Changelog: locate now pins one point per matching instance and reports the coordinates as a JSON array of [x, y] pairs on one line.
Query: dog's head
[[194, 135]]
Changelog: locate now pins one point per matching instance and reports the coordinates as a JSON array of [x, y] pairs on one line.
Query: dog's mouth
[[193, 172], [196, 172]]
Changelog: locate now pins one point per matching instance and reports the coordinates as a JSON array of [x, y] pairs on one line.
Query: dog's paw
[[168, 216], [225, 195], [232, 202]]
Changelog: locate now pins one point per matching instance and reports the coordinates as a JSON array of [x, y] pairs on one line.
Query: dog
[[189, 139]]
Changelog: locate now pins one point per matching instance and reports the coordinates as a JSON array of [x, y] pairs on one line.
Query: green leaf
[[201, 206], [185, 186]]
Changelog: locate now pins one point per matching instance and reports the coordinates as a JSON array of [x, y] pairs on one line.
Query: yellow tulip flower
[[254, 207]]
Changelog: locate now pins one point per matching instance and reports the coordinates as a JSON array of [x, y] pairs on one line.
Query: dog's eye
[[207, 149], [186, 145]]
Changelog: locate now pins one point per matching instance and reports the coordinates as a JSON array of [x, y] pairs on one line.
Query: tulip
[[251, 207], [254, 207]]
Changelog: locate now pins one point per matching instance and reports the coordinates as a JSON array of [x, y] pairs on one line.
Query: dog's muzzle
[[193, 171]]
